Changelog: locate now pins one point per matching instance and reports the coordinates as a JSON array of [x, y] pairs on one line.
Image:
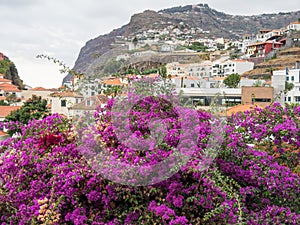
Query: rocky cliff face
[[96, 52], [9, 70]]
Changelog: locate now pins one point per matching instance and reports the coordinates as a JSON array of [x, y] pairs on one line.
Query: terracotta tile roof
[[9, 87], [66, 94], [115, 81], [240, 108], [5, 110], [3, 80], [38, 89], [191, 78], [2, 133], [257, 43], [296, 22]]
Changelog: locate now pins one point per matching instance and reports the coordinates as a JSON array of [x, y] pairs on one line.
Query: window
[[192, 85], [289, 99], [297, 98], [292, 78], [93, 93], [261, 99], [287, 79], [63, 103]]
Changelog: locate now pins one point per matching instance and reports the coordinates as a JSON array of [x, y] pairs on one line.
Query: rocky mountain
[[201, 19], [8, 68]]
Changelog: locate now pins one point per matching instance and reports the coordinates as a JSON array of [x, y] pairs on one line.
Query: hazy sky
[[59, 28]]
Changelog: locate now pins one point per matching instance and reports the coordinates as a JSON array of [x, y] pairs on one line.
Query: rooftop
[[241, 108], [5, 110], [66, 94]]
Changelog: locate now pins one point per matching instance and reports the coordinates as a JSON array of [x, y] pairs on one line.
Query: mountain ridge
[[96, 52]]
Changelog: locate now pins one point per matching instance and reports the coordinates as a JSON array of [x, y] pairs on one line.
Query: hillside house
[[291, 76], [63, 101], [88, 105], [228, 67], [44, 93], [293, 26], [7, 88], [263, 48]]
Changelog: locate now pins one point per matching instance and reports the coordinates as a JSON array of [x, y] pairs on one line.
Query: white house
[[293, 26], [88, 105], [291, 76], [63, 101], [228, 67]]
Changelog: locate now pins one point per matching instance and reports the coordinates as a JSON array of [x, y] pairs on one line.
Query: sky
[[59, 28]]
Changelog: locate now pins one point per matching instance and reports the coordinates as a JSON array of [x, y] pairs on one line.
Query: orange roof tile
[[3, 80], [296, 22], [240, 108], [9, 87], [38, 89], [115, 81], [66, 94], [2, 133], [257, 43], [5, 110]]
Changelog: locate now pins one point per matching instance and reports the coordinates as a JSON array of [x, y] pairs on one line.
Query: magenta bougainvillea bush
[[253, 178]]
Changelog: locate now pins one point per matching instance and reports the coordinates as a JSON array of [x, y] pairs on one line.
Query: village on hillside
[[205, 82]]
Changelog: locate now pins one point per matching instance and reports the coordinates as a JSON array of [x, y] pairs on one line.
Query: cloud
[[18, 3]]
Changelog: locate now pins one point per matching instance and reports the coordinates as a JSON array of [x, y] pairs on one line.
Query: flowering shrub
[[46, 177]]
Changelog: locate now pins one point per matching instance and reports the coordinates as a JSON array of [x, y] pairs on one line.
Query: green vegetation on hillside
[[10, 72]]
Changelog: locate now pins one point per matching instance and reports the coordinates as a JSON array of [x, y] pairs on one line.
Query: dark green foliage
[[33, 108], [3, 103], [147, 72], [233, 80], [10, 72], [197, 46], [288, 86], [163, 72]]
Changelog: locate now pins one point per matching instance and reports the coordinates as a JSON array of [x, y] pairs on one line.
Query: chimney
[[297, 64]]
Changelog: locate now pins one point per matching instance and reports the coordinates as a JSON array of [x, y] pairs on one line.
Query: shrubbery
[[253, 180]]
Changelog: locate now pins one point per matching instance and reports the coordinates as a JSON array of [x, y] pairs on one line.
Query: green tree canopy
[[288, 87], [33, 108], [232, 81]]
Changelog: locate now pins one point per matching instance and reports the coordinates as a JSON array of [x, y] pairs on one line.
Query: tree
[[232, 81], [163, 72], [288, 87], [3, 103], [33, 108]]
